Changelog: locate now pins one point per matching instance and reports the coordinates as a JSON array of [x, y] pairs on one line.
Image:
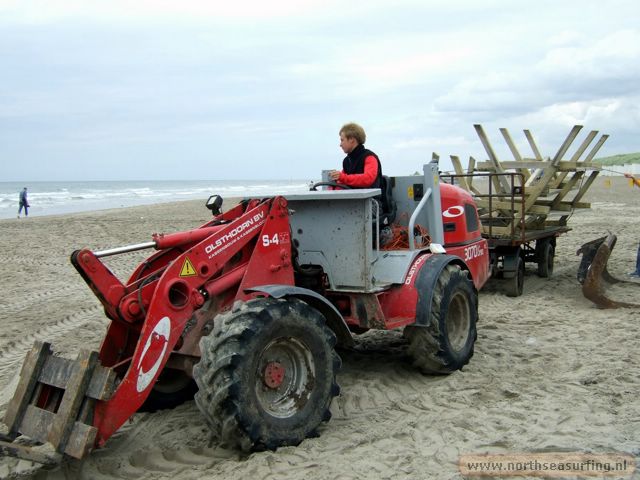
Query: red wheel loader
[[247, 310]]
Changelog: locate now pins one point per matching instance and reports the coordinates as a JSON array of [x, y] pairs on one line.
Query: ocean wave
[[48, 198]]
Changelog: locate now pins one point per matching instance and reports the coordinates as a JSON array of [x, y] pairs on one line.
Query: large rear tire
[[447, 343], [267, 374]]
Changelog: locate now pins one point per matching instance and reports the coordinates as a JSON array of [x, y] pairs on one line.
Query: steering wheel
[[313, 187]]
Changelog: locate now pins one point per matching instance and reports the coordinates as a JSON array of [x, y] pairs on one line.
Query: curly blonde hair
[[353, 130]]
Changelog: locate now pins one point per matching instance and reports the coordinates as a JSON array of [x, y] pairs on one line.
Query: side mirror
[[214, 203]]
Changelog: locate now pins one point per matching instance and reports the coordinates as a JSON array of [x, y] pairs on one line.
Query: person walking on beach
[[636, 272], [23, 203]]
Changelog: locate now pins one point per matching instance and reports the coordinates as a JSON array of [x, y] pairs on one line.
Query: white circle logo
[[453, 212], [159, 333]]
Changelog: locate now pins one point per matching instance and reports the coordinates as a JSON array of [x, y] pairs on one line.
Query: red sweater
[[361, 180]]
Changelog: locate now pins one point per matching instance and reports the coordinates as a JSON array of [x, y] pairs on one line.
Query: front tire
[[447, 343], [267, 374]]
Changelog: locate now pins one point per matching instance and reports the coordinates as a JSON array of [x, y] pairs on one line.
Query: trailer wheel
[[447, 343], [546, 256], [267, 374], [515, 285]]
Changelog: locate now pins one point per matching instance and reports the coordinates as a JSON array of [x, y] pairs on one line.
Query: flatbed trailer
[[524, 205], [509, 255], [513, 238]]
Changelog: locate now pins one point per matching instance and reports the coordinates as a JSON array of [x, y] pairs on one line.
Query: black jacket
[[354, 163]]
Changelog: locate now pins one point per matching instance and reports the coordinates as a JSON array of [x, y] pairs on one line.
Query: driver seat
[[389, 207]]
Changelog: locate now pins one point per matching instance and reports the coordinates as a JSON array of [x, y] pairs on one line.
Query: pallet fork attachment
[[593, 271], [52, 407]]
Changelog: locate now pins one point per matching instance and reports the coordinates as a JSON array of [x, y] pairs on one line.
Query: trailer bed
[[526, 236]]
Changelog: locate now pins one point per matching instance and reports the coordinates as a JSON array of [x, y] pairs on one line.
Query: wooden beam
[[569, 185], [500, 182], [549, 172], [58, 370], [506, 231], [567, 143], [28, 452], [514, 151], [596, 147], [560, 222], [565, 206], [538, 174], [31, 367], [457, 166], [64, 421], [471, 167], [585, 186], [562, 166], [532, 144], [506, 205], [576, 156]]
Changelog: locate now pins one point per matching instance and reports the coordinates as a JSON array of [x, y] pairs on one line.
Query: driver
[[361, 167]]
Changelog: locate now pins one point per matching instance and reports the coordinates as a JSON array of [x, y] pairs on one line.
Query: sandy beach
[[550, 373]]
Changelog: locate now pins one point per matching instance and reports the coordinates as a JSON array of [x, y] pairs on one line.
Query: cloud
[[267, 82], [144, 11], [371, 65], [610, 112], [432, 142], [608, 67]]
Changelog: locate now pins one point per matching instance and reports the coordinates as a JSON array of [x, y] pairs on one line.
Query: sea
[[55, 198]]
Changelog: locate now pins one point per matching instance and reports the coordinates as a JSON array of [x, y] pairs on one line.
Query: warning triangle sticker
[[187, 269]]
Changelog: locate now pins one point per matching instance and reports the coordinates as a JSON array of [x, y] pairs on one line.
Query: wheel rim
[[458, 321], [284, 377]]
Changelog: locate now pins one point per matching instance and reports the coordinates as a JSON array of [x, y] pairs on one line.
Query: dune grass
[[624, 159]]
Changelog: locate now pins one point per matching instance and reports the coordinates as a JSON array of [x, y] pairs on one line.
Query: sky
[[214, 90]]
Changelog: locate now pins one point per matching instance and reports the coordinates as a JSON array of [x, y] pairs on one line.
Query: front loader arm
[[183, 287], [104, 284], [76, 405]]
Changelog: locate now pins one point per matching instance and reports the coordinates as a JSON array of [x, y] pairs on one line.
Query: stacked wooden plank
[[532, 193]]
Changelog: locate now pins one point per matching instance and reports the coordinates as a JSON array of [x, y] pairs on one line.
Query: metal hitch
[[51, 412], [593, 271]]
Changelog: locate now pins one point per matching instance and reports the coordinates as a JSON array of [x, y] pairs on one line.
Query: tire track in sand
[[35, 297], [155, 445], [495, 298], [12, 354], [32, 261]]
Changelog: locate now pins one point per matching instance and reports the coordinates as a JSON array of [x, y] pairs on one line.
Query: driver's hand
[[334, 175]]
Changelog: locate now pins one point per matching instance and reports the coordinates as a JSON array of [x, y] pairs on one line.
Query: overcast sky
[[106, 90]]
